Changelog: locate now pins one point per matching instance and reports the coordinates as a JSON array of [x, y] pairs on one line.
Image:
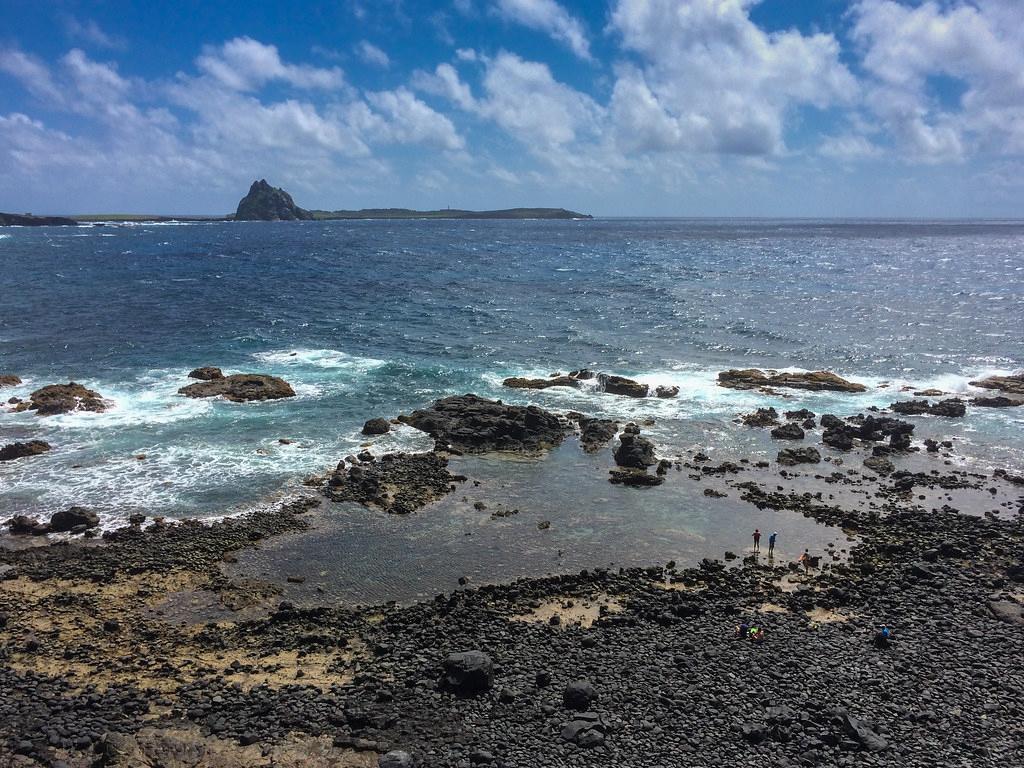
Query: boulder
[[241, 388], [9, 380], [841, 439], [868, 739], [1012, 385], [582, 374], [816, 381], [802, 415], [22, 450], [476, 425], [762, 417], [579, 695], [793, 456], [911, 407], [267, 203], [23, 525], [516, 382], [998, 401], [953, 407], [666, 391], [635, 452], [71, 518], [620, 385], [635, 478], [595, 433], [789, 431], [63, 398], [206, 373], [468, 673], [376, 427]]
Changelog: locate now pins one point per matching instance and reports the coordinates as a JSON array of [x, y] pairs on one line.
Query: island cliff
[[267, 203]]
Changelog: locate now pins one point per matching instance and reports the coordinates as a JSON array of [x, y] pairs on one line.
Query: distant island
[[266, 203]]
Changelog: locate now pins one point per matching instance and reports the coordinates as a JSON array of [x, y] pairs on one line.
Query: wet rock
[[1013, 385], [55, 399], [752, 378], [636, 478], [595, 433], [998, 401], [620, 385], [397, 483], [23, 525], [579, 695], [241, 388], [468, 673], [23, 450], [879, 464], [839, 439], [582, 374], [666, 391], [71, 518], [793, 456], [206, 373], [911, 407], [789, 431], [953, 407], [516, 382], [801, 415], [9, 380], [635, 451], [762, 417], [476, 425], [830, 421], [376, 427]]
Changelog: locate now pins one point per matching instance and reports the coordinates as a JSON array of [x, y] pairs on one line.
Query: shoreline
[[107, 653]]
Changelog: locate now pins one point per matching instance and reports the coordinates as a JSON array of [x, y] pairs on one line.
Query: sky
[[810, 108]]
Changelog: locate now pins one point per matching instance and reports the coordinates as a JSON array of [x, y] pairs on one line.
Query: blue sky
[[616, 107]]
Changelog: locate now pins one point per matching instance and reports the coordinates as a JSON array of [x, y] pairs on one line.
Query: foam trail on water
[[319, 358]]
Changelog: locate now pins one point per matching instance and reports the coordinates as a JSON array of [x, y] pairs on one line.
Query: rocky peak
[[267, 203]]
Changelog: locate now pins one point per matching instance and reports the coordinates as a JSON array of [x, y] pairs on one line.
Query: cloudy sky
[[614, 107]]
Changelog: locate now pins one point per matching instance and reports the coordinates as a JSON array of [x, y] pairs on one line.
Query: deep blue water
[[375, 318]]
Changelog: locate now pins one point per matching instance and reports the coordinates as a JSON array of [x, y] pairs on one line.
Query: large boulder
[[397, 483], [63, 398], [635, 452], [620, 385], [468, 673], [998, 401], [1013, 385], [518, 382], [474, 424], [788, 431], [22, 450], [376, 427], [9, 380], [595, 433], [72, 518], [267, 203], [579, 695], [666, 391], [241, 388], [206, 373], [816, 381]]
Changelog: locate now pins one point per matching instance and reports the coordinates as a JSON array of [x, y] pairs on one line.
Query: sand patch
[[819, 616], [679, 586], [572, 611], [793, 582], [772, 608]]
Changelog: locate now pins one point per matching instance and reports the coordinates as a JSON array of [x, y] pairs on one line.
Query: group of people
[[750, 632], [805, 559]]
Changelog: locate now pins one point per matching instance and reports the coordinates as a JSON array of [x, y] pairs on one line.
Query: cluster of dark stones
[[1011, 387], [953, 407], [633, 456], [397, 483]]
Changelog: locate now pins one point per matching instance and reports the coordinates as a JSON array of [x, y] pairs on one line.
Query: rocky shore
[[100, 665]]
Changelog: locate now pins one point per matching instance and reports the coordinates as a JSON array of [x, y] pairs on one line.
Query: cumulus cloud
[[549, 17], [371, 54], [710, 80], [244, 64], [976, 45]]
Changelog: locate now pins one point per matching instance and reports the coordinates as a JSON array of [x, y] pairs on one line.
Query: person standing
[[757, 539], [771, 543]]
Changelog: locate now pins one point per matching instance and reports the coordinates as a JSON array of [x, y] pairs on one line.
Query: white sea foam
[[4, 237], [319, 358]]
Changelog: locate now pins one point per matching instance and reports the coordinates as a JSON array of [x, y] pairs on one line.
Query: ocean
[[375, 318]]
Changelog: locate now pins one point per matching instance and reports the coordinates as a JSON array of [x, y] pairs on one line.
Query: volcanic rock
[[792, 456], [762, 417], [788, 431], [63, 398], [21, 450], [595, 433], [206, 373], [636, 478], [376, 427], [634, 451], [752, 378], [517, 382], [998, 401], [879, 464], [396, 759], [666, 391], [9, 380], [476, 425], [620, 385], [267, 203], [397, 483], [1012, 385], [241, 388], [73, 517], [468, 673], [579, 695], [953, 407]]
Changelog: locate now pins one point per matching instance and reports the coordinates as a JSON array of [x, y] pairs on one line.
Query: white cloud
[[849, 146], [90, 32], [33, 74], [978, 46], [549, 17], [245, 64], [371, 54], [710, 80], [405, 119]]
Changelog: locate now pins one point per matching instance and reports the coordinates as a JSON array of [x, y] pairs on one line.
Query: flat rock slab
[[1013, 385], [816, 381], [23, 450], [241, 388], [54, 399], [398, 483]]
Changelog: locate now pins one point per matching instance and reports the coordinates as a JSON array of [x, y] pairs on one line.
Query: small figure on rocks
[[771, 543], [757, 635], [805, 561], [742, 630], [757, 539], [882, 637]]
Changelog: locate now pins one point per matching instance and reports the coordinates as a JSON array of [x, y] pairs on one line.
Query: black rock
[[23, 450], [73, 517], [792, 456], [635, 452], [267, 203], [376, 427], [788, 431], [579, 695], [468, 673]]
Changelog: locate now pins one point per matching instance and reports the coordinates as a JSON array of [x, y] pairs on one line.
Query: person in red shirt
[[757, 539]]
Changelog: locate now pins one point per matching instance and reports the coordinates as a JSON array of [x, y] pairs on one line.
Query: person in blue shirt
[[771, 543], [882, 637]]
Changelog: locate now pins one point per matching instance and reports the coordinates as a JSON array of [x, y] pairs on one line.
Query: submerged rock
[[474, 424], [23, 450], [635, 452], [636, 478], [516, 382], [397, 483], [267, 203], [241, 388], [55, 399], [206, 373], [752, 378], [620, 385], [792, 456]]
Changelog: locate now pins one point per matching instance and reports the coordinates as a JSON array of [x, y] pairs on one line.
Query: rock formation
[[267, 203], [63, 398], [816, 381], [241, 388]]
